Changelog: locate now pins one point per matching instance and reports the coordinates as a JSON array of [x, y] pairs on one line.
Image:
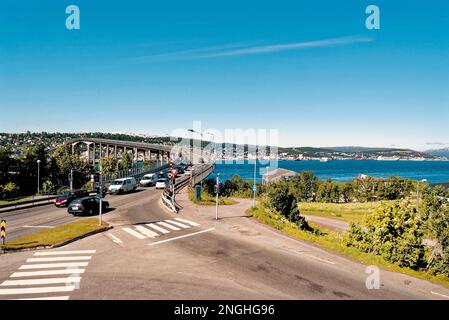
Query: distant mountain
[[363, 149], [439, 152]]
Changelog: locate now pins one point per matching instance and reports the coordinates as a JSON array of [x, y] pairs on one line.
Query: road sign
[[254, 188], [3, 230]]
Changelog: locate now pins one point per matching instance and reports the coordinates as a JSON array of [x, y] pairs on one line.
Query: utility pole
[[417, 195], [38, 176], [254, 185], [100, 194], [71, 180], [216, 199]]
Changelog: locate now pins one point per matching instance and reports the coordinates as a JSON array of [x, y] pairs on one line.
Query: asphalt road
[[232, 258]]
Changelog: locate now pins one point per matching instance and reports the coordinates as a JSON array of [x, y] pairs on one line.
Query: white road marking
[[134, 233], [55, 253], [439, 294], [54, 265], [146, 232], [114, 238], [168, 226], [188, 222], [30, 282], [46, 272], [178, 224], [58, 259], [155, 227], [44, 227], [47, 298], [180, 237], [36, 290]]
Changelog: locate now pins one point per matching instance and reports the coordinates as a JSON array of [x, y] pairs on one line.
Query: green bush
[[9, 190], [393, 231]]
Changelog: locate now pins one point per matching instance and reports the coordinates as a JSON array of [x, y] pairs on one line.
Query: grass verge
[[54, 236], [208, 200], [334, 242], [349, 212], [2, 202]]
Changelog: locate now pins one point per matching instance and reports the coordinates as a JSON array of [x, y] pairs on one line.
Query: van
[[123, 185], [149, 180]]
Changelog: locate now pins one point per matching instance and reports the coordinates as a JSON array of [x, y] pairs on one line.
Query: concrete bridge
[[95, 149]]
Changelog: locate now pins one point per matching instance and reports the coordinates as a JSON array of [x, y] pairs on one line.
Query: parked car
[[188, 172], [87, 205], [123, 185], [149, 180], [161, 183], [67, 197]]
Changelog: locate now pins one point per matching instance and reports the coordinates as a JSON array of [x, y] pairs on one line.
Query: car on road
[[188, 172], [161, 183], [67, 197], [149, 180], [122, 185], [87, 205]]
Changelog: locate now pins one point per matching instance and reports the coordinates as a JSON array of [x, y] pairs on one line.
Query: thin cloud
[[436, 143], [239, 49]]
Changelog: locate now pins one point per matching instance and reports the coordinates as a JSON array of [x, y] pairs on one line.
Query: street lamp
[[38, 175], [254, 185], [216, 199], [417, 194]]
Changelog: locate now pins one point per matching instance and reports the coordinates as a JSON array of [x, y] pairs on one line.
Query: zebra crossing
[[48, 275], [160, 228]]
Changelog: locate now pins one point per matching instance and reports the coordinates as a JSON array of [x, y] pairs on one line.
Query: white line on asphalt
[[439, 294], [188, 222], [319, 259], [114, 238], [30, 282], [178, 224], [36, 290], [46, 272], [168, 226], [155, 227], [54, 265], [55, 253], [58, 259], [146, 232], [44, 227], [47, 298], [134, 233], [180, 237]]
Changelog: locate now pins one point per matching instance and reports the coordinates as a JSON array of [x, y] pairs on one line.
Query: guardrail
[[35, 200], [197, 176]]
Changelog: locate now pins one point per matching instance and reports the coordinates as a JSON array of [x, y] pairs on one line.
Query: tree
[[393, 231], [6, 164], [65, 163], [125, 160], [108, 165], [280, 199], [304, 186], [436, 215]]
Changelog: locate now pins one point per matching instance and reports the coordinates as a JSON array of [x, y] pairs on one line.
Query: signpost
[[217, 192], [3, 231]]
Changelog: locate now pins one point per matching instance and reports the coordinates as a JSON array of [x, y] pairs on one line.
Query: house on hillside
[[277, 174]]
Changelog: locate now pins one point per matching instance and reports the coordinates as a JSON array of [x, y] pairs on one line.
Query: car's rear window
[[76, 201]]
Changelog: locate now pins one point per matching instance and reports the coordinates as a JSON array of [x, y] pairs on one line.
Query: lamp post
[[417, 195], [254, 185], [216, 199], [38, 176]]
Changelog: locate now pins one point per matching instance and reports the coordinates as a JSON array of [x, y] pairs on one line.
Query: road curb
[[58, 245]]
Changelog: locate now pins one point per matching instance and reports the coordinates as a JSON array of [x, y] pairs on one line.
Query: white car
[[123, 185], [161, 183], [149, 180], [188, 172]]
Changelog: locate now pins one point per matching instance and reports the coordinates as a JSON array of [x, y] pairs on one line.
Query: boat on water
[[385, 158], [325, 159]]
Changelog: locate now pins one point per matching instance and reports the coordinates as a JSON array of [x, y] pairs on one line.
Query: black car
[[67, 197], [87, 205]]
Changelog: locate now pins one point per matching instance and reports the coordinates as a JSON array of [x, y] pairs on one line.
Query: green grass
[[334, 242], [208, 200], [55, 235], [349, 212], [2, 202]]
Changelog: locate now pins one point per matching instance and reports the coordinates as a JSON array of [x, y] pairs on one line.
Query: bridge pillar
[[93, 154], [115, 152]]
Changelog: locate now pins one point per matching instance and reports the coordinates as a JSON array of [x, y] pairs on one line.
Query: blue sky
[[307, 68]]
